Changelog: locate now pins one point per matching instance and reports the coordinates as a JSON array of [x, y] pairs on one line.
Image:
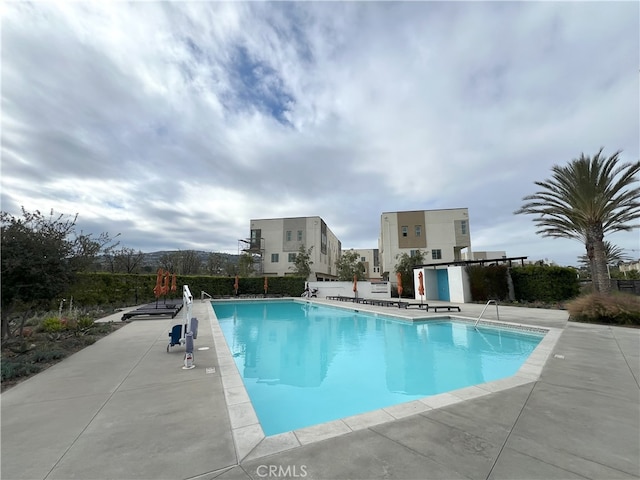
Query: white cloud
[[149, 118]]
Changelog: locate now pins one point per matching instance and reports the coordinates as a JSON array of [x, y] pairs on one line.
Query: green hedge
[[545, 283], [286, 286], [120, 290], [531, 283], [488, 282], [114, 289]]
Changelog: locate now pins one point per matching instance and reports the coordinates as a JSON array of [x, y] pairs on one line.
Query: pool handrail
[[203, 294], [485, 307]]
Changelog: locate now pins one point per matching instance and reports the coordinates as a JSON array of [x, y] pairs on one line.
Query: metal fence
[[626, 286]]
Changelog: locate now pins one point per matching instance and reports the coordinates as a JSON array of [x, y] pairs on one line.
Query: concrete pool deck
[[124, 408]]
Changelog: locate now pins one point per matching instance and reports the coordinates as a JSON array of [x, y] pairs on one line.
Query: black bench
[[448, 308], [161, 310], [415, 304]]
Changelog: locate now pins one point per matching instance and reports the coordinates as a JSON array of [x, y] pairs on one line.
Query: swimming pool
[[304, 364]]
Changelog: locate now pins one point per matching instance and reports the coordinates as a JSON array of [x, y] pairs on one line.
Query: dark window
[[255, 238]]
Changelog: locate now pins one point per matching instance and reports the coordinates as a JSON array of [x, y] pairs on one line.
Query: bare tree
[[126, 260], [245, 265], [216, 264], [189, 262], [170, 261]]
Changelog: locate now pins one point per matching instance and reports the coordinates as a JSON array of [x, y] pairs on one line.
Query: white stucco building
[[630, 266], [370, 258], [441, 235], [484, 255], [276, 241]]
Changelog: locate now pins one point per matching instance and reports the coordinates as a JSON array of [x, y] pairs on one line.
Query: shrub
[[84, 323], [53, 340], [68, 323], [616, 309], [14, 369], [119, 290], [45, 356], [544, 283], [33, 321], [17, 345], [101, 328], [488, 282], [79, 326], [52, 325], [77, 342]]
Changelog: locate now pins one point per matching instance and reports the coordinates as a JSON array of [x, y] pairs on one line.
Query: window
[[463, 227], [299, 235], [288, 236], [405, 231], [413, 253], [418, 230], [292, 257], [275, 257], [436, 254], [362, 259], [255, 238]]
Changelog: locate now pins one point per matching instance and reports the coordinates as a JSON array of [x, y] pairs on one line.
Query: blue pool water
[[304, 364]]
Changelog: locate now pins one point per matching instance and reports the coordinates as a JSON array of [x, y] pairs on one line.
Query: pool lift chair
[[188, 328]]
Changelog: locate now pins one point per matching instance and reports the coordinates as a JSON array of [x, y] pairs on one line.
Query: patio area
[[124, 408]]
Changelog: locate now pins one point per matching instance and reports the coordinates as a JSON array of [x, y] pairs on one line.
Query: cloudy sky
[[175, 123]]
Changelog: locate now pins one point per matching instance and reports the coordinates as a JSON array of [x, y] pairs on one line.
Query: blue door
[[443, 285]]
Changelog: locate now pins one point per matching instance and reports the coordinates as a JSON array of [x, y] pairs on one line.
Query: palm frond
[[597, 192]]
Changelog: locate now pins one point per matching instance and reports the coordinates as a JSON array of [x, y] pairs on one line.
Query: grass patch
[[615, 309]]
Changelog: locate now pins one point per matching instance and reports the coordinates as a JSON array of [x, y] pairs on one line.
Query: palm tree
[[586, 200], [613, 254]]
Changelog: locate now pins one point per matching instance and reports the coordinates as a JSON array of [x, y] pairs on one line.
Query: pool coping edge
[[251, 443]]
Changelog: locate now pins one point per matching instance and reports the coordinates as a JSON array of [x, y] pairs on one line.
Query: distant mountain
[[153, 258]]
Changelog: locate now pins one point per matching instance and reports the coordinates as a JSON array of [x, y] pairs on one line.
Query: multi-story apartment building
[[441, 235], [483, 255], [370, 258], [629, 267], [276, 242]]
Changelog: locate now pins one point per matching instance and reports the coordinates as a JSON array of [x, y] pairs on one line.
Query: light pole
[[387, 245]]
